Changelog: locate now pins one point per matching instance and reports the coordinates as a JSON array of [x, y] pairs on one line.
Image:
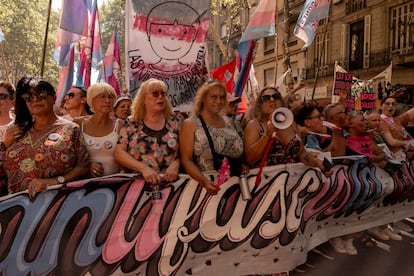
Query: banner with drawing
[[167, 40], [112, 226]]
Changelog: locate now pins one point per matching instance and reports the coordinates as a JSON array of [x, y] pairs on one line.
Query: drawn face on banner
[[172, 40]]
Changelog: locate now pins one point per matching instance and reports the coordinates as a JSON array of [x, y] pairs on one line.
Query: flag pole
[[321, 54], [45, 40]]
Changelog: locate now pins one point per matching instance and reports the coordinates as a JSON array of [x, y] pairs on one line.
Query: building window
[[321, 49], [402, 28], [269, 76], [356, 49], [355, 5], [269, 45]]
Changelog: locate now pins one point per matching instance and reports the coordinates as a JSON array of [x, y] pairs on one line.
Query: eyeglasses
[[71, 95], [342, 112], [4, 96], [157, 93], [319, 116], [275, 96], [28, 98]]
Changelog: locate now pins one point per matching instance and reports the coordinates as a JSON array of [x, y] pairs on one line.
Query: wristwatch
[[61, 179]]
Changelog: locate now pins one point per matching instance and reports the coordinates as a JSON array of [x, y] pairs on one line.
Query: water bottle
[[244, 188]]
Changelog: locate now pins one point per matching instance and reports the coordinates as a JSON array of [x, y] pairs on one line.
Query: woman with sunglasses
[[101, 130], [50, 150], [393, 129], [196, 154], [75, 103], [148, 141], [285, 148]]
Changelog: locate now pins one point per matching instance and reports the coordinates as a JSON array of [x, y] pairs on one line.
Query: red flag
[[225, 73]]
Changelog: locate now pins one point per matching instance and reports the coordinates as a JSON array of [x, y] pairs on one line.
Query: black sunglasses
[[71, 95], [4, 96], [275, 96], [28, 98]]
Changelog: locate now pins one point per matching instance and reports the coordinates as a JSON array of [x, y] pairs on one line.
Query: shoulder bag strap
[[210, 141]]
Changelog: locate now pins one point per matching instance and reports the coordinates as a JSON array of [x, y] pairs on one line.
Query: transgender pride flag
[[112, 64], [308, 20], [262, 24]]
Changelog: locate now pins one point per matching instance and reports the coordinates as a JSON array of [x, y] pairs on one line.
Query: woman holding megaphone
[[271, 138]]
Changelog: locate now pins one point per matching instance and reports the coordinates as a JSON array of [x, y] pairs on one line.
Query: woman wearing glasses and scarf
[[285, 146], [148, 141], [48, 150]]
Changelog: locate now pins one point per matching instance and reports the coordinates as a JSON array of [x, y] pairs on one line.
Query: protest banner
[[112, 225]]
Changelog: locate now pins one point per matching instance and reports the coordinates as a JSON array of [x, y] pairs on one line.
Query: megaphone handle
[[264, 157]]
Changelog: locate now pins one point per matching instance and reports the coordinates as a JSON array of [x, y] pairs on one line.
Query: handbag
[[235, 164]]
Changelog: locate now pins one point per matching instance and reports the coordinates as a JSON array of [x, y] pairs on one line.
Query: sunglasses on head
[[29, 97], [71, 95], [275, 96], [4, 96], [157, 93]]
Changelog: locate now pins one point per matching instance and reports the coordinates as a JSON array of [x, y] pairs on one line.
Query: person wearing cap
[[122, 107]]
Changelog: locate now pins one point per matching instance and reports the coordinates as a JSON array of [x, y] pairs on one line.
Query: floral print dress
[[156, 149], [45, 154]]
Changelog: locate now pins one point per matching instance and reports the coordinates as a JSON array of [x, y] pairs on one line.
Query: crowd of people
[[96, 133]]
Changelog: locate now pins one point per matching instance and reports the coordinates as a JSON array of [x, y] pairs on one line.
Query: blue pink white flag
[[167, 40], [112, 64], [73, 25], [262, 24], [66, 77], [91, 53], [308, 20]]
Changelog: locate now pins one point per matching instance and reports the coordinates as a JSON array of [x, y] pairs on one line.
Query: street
[[371, 259]]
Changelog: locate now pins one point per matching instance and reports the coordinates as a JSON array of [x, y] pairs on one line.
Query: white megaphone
[[282, 118]]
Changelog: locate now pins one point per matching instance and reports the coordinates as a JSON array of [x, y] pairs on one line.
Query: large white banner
[[167, 40], [112, 226]]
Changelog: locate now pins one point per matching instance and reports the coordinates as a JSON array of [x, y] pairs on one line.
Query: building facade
[[363, 36]]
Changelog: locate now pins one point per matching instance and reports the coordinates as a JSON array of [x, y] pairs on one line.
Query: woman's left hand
[[171, 173]]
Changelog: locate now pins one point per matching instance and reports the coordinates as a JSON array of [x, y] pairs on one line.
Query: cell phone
[[327, 165]]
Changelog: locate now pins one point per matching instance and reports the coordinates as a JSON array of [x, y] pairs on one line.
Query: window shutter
[[367, 40], [344, 42]]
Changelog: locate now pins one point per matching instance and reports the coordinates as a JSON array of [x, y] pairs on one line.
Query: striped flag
[[72, 26], [262, 24], [112, 64], [66, 77], [308, 20], [91, 53]]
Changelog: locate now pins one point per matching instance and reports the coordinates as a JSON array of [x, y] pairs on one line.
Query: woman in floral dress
[[148, 142], [50, 150]]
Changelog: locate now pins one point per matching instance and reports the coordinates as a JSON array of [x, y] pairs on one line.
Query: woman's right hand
[[97, 169], [11, 135], [151, 176], [210, 186]]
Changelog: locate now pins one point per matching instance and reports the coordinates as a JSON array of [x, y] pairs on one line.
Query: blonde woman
[[148, 142], [196, 154], [101, 130]]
